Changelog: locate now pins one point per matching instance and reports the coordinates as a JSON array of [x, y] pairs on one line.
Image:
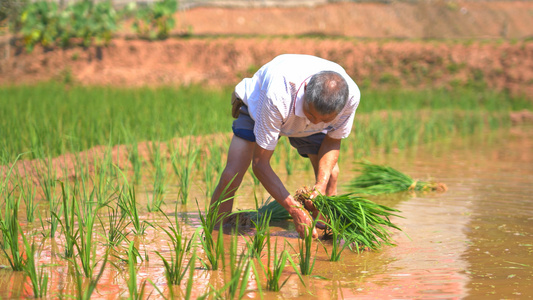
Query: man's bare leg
[[239, 158]]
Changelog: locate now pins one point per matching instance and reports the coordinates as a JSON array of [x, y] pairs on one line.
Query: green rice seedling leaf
[[213, 250], [304, 245], [11, 231], [68, 221], [184, 167], [337, 229], [117, 225], [364, 222], [160, 176], [84, 292], [128, 204], [38, 277], [276, 211], [275, 266], [175, 269], [28, 191], [380, 179], [134, 292], [241, 268], [190, 281], [262, 234], [85, 244]]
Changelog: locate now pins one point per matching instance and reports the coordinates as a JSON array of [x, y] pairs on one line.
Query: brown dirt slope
[[223, 61], [503, 63]]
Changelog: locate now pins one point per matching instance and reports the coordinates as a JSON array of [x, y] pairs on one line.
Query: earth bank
[[225, 60]]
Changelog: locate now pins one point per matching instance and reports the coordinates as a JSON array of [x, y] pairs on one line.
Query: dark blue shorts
[[243, 127]]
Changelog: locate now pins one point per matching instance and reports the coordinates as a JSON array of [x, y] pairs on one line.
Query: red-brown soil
[[474, 41], [223, 61]]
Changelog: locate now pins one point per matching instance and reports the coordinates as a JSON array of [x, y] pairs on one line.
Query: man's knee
[[231, 178]]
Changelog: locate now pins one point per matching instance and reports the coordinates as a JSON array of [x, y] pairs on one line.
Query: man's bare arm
[[270, 180]]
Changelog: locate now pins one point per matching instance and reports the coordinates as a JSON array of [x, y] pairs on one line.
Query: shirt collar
[[299, 101]]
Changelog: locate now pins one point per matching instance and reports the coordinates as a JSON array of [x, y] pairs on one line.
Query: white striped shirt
[[274, 96]]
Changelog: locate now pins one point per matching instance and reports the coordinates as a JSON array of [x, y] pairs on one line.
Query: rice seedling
[[159, 183], [85, 244], [85, 291], [212, 168], [28, 191], [11, 232], [133, 155], [276, 211], [209, 178], [158, 189], [98, 115], [214, 250], [380, 179], [102, 180], [134, 293], [38, 277], [190, 280], [270, 207], [117, 223], [9, 225], [183, 167], [241, 269], [48, 181], [128, 203], [275, 266], [262, 233], [305, 253], [338, 244], [175, 269], [67, 223], [363, 221]]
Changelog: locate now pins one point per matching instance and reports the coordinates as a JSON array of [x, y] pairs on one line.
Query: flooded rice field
[[473, 241]]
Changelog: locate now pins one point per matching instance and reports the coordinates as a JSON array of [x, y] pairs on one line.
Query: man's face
[[315, 117]]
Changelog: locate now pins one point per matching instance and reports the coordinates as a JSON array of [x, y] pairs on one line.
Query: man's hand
[[318, 189], [301, 218]]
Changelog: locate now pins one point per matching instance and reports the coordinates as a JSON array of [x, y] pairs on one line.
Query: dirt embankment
[[505, 63], [223, 61]]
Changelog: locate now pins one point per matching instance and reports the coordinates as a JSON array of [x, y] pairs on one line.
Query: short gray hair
[[327, 91]]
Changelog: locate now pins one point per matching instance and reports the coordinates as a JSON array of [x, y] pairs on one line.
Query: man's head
[[325, 96]]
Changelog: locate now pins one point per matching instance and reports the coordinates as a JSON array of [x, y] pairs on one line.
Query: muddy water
[[474, 241]]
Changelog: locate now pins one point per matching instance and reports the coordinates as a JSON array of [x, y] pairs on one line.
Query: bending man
[[308, 99]]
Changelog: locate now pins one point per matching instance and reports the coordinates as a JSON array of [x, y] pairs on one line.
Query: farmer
[[310, 100]]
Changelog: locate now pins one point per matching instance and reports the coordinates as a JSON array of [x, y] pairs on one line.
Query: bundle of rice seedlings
[[247, 218], [380, 179], [358, 220]]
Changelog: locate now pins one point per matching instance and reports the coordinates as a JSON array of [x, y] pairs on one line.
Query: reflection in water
[[474, 241]]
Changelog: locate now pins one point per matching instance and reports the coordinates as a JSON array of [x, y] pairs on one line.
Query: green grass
[[49, 119]]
